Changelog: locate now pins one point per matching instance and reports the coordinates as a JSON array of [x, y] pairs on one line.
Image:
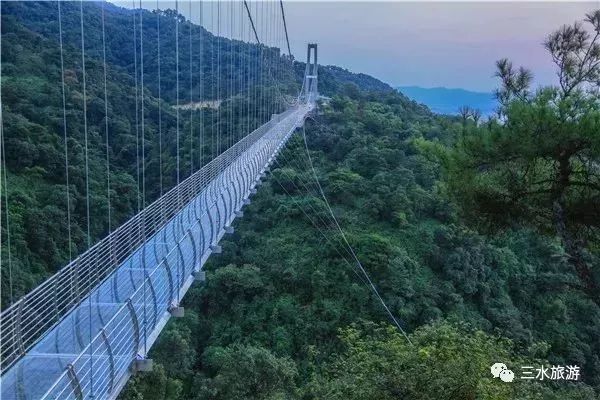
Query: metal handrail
[[26, 321], [116, 334]]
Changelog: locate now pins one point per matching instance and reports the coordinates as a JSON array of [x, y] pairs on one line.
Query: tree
[[247, 372], [539, 164], [445, 361], [154, 385], [467, 113]]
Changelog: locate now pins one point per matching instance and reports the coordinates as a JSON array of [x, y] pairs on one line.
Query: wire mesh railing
[[28, 319], [98, 368]]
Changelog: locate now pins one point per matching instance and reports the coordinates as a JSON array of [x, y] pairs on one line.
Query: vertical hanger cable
[[87, 190]]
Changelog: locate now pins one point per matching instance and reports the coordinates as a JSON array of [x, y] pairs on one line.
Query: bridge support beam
[[200, 276], [215, 248], [177, 311], [229, 229], [143, 365], [239, 213]]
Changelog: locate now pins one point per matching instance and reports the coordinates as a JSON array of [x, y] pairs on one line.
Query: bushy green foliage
[[275, 318], [537, 166], [279, 285], [33, 121], [452, 361]]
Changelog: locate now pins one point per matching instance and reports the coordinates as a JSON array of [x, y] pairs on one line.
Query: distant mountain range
[[442, 100]]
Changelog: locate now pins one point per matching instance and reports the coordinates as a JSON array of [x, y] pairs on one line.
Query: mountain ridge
[[443, 100], [31, 60]]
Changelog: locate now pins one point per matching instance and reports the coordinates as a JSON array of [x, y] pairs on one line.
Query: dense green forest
[[283, 316], [33, 118], [459, 222]]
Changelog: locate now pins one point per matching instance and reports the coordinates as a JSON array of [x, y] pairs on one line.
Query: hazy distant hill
[[447, 101]]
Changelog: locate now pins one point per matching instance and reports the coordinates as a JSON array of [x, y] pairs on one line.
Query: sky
[[429, 44]]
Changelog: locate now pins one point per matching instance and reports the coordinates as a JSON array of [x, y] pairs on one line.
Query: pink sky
[[452, 44]]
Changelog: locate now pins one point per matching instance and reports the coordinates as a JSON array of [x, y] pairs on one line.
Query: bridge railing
[[28, 319], [108, 356], [99, 368]]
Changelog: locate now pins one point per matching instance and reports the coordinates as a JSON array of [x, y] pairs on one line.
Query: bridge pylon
[[310, 90]]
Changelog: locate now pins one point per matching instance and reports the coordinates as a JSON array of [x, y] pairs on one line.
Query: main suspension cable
[[4, 186], [358, 263], [287, 39], [252, 22]]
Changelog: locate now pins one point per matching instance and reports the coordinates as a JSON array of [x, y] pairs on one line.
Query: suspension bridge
[[84, 331]]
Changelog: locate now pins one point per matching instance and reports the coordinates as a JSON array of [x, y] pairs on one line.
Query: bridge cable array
[[87, 184], [287, 38], [55, 313], [355, 265], [285, 160], [358, 263], [142, 254], [317, 215]]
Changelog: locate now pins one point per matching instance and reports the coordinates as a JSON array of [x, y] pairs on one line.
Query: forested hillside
[[453, 239], [459, 222], [282, 315], [34, 128], [210, 53]]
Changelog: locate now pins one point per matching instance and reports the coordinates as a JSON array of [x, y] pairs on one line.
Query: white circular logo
[[500, 370], [507, 375], [497, 368]]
